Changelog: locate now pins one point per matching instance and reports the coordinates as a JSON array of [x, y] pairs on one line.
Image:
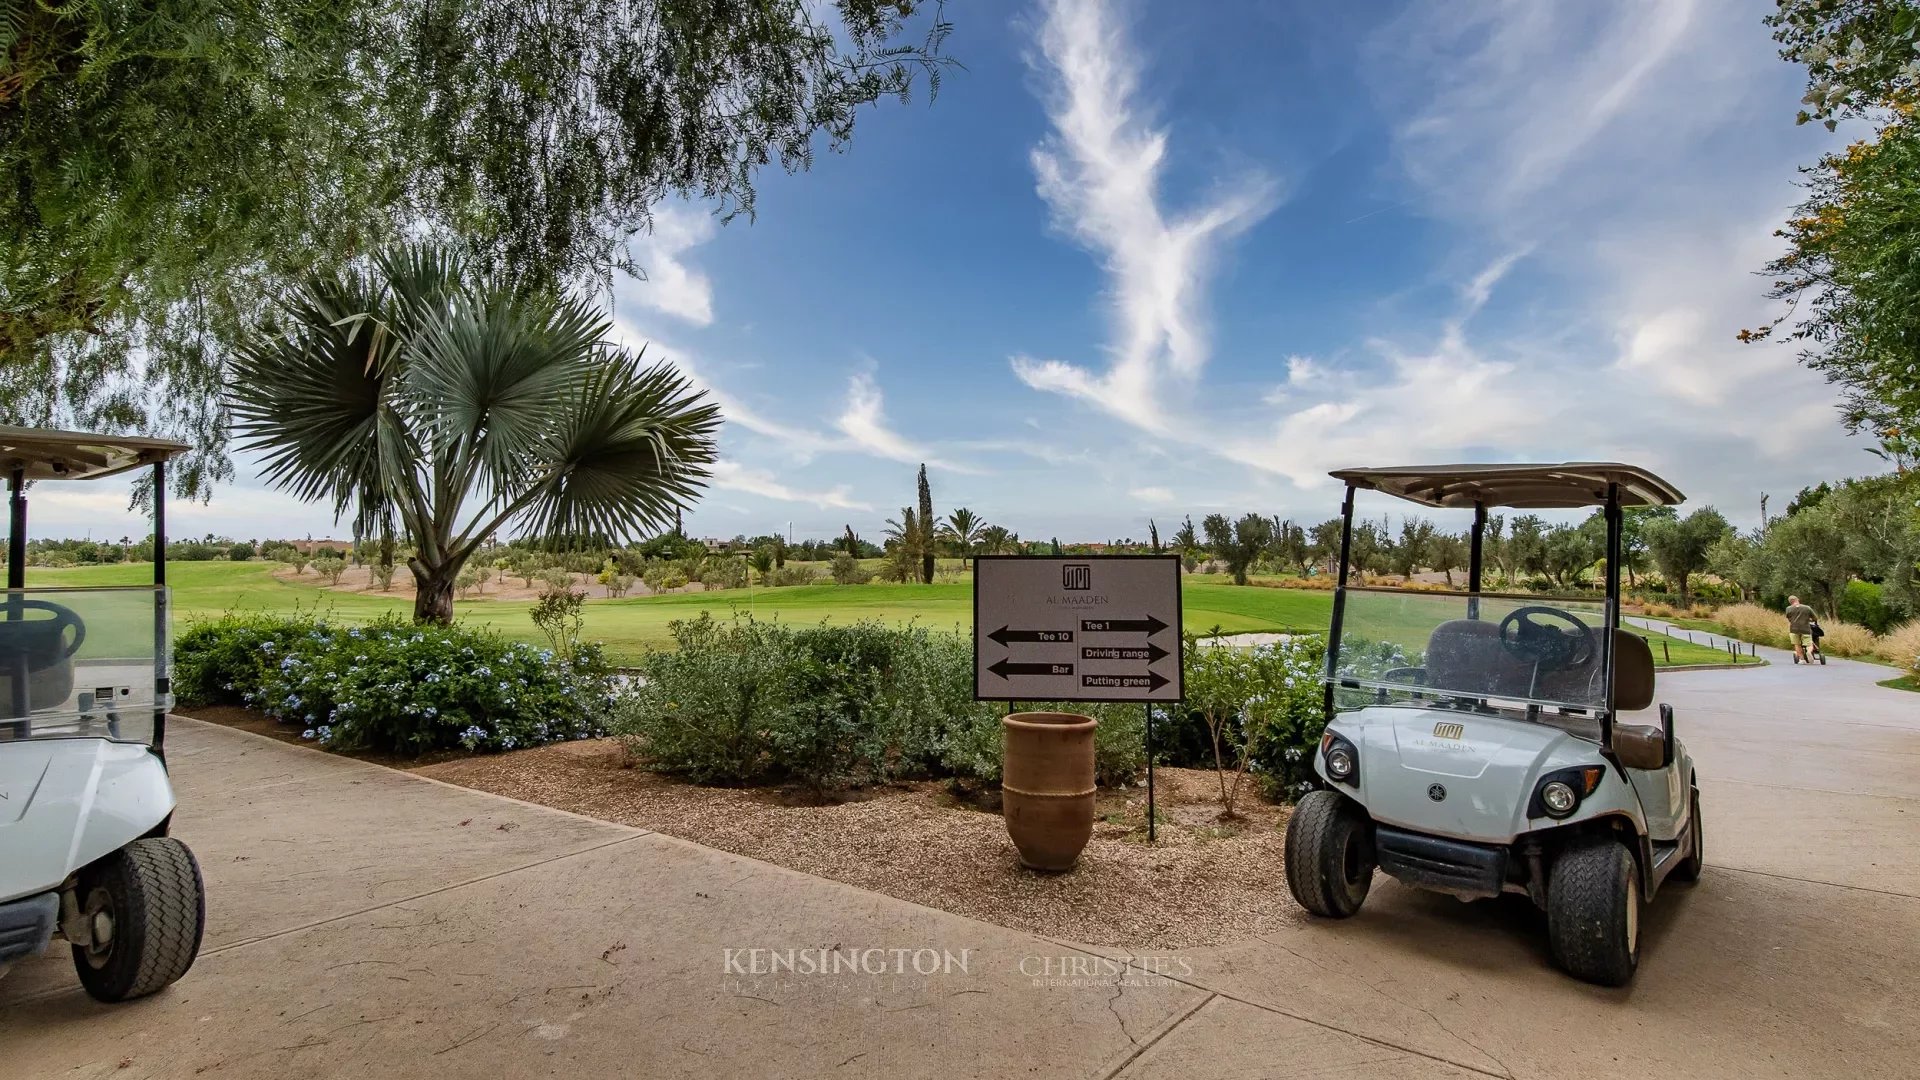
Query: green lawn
[[631, 626]]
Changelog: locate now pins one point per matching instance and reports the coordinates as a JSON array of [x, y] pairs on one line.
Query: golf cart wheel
[[1593, 913], [1690, 867], [145, 908], [1329, 855]]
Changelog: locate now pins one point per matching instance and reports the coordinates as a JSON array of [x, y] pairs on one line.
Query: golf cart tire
[[159, 911], [1329, 856], [1689, 868], [1593, 896]]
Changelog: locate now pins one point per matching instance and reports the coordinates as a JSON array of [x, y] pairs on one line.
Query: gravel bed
[[1203, 882]]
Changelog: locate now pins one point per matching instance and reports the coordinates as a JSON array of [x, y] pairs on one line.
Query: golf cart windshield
[[79, 663], [83, 663], [1485, 651]]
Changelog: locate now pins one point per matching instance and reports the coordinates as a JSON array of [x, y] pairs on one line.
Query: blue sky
[[1150, 258]]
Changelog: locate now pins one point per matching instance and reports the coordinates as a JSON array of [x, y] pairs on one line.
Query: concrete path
[[371, 923]]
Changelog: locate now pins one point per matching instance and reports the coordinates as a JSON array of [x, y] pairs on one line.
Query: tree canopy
[[168, 163], [1852, 269]]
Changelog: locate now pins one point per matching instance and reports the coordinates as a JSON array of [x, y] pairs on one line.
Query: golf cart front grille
[[1448, 866], [26, 925]]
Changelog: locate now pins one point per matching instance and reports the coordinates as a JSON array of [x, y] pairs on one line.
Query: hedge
[[392, 686]]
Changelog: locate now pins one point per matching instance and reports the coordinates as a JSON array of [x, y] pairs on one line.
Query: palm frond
[[309, 398], [635, 446]]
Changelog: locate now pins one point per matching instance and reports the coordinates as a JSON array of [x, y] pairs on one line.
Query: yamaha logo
[[1436, 792]]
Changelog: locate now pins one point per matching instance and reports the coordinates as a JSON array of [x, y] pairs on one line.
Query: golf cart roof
[[1526, 487], [47, 454]]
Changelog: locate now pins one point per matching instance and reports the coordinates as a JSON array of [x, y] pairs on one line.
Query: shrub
[[663, 577], [555, 577], [723, 572], [846, 570], [558, 614], [749, 701], [240, 552], [1862, 603], [329, 566], [392, 686], [1751, 622], [227, 660], [1901, 645], [1847, 639], [382, 575], [792, 575], [617, 581]]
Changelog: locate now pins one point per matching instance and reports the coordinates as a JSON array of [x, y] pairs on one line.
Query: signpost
[[1079, 628]]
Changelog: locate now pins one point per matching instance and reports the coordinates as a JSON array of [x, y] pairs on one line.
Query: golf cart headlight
[[1559, 798], [1561, 792], [1342, 760]]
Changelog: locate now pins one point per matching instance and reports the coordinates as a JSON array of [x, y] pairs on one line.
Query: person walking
[[1799, 629]]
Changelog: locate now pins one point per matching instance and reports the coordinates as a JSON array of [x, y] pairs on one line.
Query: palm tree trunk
[[433, 588]]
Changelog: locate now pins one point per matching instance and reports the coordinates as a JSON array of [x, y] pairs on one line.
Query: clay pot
[[1046, 787]]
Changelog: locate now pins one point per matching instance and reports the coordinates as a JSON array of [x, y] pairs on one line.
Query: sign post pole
[[1151, 823]]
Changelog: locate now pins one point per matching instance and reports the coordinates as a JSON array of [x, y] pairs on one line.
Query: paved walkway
[[371, 923]]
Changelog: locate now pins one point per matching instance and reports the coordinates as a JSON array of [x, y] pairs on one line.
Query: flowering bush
[[395, 687]]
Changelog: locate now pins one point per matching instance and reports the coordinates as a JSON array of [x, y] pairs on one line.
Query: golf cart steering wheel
[[1548, 646], [44, 641]]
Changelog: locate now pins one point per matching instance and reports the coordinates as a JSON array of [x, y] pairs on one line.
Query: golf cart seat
[[38, 651], [1466, 657]]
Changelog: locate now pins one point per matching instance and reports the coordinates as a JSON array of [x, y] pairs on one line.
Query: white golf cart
[[1475, 743], [85, 802]]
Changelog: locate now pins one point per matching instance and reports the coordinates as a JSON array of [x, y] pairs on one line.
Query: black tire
[[151, 892], [1329, 854], [1690, 867], [1593, 913]]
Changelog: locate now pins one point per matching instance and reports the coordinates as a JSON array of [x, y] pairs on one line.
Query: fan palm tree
[[962, 530], [407, 391], [996, 540]]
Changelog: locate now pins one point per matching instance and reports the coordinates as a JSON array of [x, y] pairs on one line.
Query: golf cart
[[85, 802], [1476, 743]]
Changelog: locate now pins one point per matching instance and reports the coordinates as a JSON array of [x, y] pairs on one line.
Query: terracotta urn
[[1046, 786]]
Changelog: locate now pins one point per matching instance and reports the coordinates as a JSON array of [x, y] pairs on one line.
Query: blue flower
[[307, 734]]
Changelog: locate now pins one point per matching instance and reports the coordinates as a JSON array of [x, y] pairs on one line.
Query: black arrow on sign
[[1149, 626], [1150, 652], [1005, 635], [1006, 669]]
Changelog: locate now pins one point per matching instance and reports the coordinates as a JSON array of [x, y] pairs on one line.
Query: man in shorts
[[1799, 629]]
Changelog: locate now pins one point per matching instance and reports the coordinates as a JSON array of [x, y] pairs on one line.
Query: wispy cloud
[[672, 286], [864, 424], [1099, 172], [733, 476]]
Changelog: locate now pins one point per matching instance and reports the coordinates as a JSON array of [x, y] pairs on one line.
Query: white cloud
[[1099, 172], [1631, 161], [733, 476], [672, 286], [864, 424], [1153, 496]]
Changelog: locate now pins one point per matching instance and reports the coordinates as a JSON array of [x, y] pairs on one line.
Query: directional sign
[[1076, 628]]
